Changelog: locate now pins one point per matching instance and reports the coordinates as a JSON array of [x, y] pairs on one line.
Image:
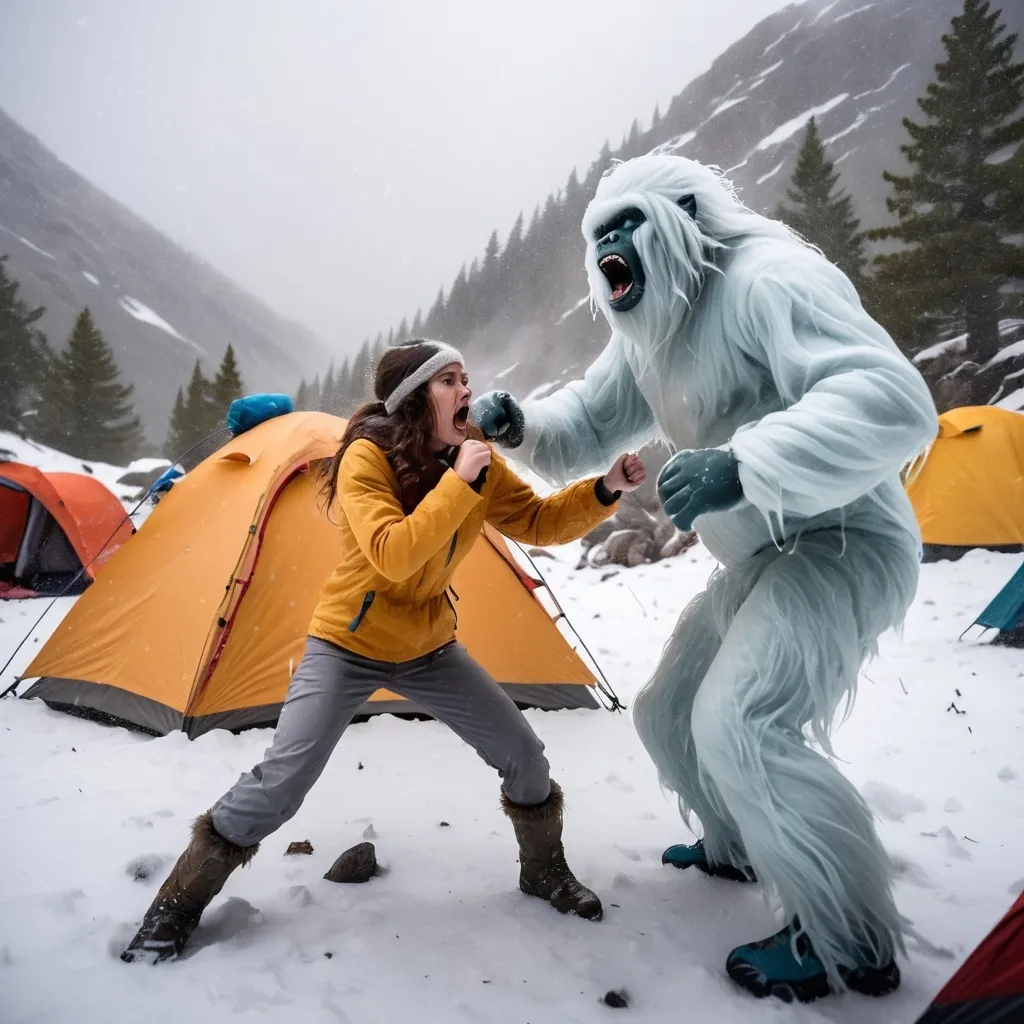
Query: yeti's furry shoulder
[[765, 279]]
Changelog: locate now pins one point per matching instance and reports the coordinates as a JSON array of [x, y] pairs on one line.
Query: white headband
[[445, 354]]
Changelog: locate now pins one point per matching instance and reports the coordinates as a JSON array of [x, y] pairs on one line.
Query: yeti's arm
[[583, 427], [857, 409]]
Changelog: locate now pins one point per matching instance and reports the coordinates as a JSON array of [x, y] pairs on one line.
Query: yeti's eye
[[628, 220]]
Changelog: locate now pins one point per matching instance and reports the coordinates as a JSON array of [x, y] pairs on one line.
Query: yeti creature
[[790, 413]]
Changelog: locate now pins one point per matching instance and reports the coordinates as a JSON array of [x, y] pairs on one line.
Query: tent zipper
[[367, 601]]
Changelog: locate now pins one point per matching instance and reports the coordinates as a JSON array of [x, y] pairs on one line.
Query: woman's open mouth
[[461, 418], [619, 276]]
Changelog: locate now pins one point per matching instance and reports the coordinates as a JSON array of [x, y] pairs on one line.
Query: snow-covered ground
[[935, 744]]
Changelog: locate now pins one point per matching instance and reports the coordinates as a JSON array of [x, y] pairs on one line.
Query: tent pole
[[604, 687]]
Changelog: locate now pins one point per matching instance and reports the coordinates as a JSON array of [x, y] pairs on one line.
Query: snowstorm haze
[[342, 160]]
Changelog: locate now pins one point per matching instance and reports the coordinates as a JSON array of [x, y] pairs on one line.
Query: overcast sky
[[342, 159]]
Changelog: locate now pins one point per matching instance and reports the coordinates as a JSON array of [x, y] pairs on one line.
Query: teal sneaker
[[787, 969], [694, 856]]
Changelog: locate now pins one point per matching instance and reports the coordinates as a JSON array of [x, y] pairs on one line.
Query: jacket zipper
[[451, 549], [367, 601], [452, 606]]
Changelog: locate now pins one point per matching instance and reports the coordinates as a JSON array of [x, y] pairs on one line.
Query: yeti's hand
[[697, 481], [498, 415]]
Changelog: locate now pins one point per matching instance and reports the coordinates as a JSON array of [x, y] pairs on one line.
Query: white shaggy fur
[[748, 338]]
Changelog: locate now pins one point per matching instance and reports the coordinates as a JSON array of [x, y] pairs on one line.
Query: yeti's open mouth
[[461, 418], [619, 276]]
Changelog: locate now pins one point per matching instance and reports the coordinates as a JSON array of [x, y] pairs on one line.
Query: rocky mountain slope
[[857, 67], [160, 307]]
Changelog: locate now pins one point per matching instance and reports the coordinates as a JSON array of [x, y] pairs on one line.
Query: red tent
[[989, 987], [51, 525]]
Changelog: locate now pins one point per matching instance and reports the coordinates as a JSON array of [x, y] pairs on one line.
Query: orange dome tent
[[969, 490], [200, 622], [52, 526]]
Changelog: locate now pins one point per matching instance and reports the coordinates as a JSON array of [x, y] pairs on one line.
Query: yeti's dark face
[[618, 259]]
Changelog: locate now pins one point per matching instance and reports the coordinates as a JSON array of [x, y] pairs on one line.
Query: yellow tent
[[969, 491], [200, 619]]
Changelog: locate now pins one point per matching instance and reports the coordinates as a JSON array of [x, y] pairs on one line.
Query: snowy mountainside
[[160, 307], [93, 817], [858, 67]]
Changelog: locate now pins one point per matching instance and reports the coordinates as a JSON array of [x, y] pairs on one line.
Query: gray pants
[[329, 687]]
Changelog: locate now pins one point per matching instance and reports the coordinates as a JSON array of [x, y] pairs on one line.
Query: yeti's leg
[[790, 656], [662, 713]]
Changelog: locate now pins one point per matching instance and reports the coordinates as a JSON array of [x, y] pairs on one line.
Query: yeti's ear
[[689, 205]]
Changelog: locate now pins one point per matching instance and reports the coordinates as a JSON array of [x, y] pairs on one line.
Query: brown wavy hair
[[404, 436]]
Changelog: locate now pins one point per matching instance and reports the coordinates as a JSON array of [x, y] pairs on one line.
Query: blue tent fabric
[[1006, 610], [252, 410]]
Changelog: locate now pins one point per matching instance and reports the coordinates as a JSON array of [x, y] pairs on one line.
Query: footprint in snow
[[1016, 888], [906, 870], [298, 896], [231, 919], [628, 854], [891, 803], [143, 868], [953, 806], [1007, 774], [954, 848], [620, 784]]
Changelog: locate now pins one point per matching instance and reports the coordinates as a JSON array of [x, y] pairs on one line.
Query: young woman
[[413, 484]]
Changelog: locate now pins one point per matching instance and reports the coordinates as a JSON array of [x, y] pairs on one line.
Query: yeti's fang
[[616, 271]]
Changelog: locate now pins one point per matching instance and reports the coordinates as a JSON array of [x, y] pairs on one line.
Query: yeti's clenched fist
[[499, 417], [697, 481]]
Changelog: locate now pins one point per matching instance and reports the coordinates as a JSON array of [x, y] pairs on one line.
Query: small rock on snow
[[619, 999], [305, 846], [357, 864]]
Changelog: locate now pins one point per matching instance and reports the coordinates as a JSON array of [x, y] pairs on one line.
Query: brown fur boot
[[543, 871], [197, 876]]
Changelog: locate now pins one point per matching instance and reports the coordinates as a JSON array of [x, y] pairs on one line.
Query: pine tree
[[314, 393], [101, 419], [820, 212], [327, 391], [22, 359], [433, 326], [190, 420], [226, 387], [962, 197], [49, 423], [302, 396], [178, 437]]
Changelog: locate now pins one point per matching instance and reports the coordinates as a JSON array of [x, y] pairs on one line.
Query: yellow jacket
[[388, 597]]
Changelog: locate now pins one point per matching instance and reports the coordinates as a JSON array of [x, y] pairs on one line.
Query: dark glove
[[693, 482], [499, 417]]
